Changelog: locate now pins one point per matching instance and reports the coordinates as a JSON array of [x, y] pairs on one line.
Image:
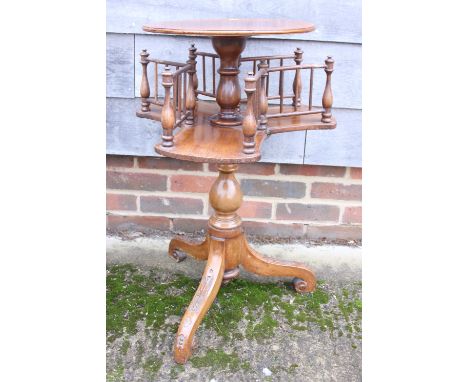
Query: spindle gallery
[[205, 118]]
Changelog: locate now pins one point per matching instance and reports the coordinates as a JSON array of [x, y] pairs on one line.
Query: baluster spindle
[[327, 99], [184, 97], [213, 67], [156, 90], [263, 100], [281, 77], [268, 80], [144, 87], [204, 73], [192, 60], [297, 83], [175, 92], [311, 87], [167, 113], [179, 94], [239, 63], [249, 124], [191, 95]]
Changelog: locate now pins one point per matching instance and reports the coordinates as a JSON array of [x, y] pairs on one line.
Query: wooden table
[[221, 133]]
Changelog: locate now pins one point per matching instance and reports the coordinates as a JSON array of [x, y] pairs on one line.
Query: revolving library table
[[228, 132]]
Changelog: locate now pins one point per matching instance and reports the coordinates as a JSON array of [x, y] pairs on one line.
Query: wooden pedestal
[[221, 133], [225, 248]]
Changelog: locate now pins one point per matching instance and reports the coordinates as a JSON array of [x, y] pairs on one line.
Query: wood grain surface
[[230, 27]]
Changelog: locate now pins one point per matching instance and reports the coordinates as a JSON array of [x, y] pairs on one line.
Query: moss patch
[[133, 297], [152, 302], [117, 374], [218, 360], [152, 365]]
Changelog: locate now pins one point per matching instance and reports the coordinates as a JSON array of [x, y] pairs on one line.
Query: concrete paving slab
[[330, 262]]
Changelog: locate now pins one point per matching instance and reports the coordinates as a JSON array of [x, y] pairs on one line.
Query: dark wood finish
[[167, 113], [327, 99], [225, 248], [191, 97], [297, 83], [263, 98], [228, 94], [144, 87], [230, 27], [249, 124]]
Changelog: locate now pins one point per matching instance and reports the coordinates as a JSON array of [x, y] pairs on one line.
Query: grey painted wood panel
[[339, 147], [126, 133], [335, 20], [120, 65], [284, 148], [346, 80]]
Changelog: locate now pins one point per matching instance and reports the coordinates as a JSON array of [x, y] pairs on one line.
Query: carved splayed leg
[[201, 302], [252, 261], [180, 247]]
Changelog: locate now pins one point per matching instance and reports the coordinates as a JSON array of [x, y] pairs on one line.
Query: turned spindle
[[327, 99], [167, 112], [249, 124], [192, 57], [263, 99], [144, 87], [191, 97], [297, 83], [228, 92]]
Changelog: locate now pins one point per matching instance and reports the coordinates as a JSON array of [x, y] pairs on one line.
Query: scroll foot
[[197, 250], [201, 302], [304, 279], [230, 275]]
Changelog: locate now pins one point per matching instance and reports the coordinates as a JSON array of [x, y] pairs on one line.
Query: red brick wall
[[283, 200]]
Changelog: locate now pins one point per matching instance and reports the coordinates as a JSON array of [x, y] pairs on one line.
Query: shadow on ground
[[253, 332]]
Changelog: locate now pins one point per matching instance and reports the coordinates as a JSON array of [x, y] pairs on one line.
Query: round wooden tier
[[205, 143], [230, 27]]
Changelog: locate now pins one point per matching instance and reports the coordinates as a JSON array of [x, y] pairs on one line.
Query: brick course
[[356, 173], [309, 212], [352, 215], [119, 161], [266, 188], [119, 202], [324, 190], [250, 168], [136, 181], [168, 164], [295, 169], [174, 205], [281, 200], [191, 183]]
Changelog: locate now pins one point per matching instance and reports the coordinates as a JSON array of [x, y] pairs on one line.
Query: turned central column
[[228, 94], [225, 224]]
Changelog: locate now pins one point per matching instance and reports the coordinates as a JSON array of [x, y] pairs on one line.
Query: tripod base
[[225, 248]]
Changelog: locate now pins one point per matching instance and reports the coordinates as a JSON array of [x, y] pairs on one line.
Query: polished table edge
[[188, 27]]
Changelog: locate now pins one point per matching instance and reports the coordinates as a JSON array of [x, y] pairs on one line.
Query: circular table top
[[230, 27]]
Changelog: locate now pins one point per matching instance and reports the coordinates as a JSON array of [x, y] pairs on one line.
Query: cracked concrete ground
[[258, 329]]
